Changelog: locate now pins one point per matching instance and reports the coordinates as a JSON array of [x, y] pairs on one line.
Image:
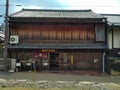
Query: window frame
[[102, 37]]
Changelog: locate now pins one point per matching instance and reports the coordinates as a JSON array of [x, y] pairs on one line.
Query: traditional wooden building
[[113, 42], [58, 39]]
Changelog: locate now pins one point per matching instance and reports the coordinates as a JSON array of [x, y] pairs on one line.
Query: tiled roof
[[60, 46], [113, 18], [46, 13]]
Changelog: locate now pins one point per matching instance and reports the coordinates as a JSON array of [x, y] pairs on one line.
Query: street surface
[[59, 77]]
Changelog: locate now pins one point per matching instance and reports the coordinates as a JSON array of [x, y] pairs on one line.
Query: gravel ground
[[59, 80], [73, 85]]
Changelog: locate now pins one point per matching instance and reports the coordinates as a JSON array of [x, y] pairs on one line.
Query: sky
[[98, 6]]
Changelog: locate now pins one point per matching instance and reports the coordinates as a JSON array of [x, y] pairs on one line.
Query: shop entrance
[[54, 62]]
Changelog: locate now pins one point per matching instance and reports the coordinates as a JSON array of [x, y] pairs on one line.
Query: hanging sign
[[48, 50]]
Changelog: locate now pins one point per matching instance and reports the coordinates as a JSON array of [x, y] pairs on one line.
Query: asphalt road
[[59, 77]]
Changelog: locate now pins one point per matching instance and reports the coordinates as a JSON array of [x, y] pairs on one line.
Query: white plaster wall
[[110, 40], [116, 37]]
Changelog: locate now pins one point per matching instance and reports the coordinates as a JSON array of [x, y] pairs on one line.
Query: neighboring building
[[58, 39], [113, 39], [2, 37]]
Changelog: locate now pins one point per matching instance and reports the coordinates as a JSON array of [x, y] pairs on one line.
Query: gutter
[[103, 63]]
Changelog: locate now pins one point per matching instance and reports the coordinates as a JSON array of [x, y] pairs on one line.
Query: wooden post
[[6, 35]]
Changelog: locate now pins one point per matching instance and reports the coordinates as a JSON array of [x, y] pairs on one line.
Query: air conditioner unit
[[14, 39]]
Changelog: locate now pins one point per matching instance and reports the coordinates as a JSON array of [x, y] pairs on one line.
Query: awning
[[114, 58], [59, 46]]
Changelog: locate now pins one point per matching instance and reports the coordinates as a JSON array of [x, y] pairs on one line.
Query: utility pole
[[6, 35]]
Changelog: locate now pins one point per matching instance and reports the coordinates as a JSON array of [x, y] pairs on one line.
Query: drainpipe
[[112, 37], [103, 62]]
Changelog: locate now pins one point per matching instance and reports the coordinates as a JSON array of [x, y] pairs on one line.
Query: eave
[[59, 46]]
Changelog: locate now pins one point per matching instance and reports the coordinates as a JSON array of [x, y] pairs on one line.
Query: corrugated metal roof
[[46, 13], [113, 18]]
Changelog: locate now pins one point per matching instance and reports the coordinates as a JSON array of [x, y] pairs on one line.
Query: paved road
[[59, 77]]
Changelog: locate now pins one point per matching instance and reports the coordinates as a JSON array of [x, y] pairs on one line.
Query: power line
[[27, 5]]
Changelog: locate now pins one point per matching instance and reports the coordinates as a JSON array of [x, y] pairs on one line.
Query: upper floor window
[[99, 32]]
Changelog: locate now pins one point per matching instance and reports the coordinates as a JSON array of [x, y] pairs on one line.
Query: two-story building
[[113, 41], [58, 39]]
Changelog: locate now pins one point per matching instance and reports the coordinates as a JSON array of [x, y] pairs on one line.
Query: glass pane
[[100, 32]]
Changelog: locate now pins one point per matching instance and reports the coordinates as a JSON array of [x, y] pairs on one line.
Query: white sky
[[98, 6]]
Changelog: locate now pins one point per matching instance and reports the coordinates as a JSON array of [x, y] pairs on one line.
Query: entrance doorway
[[54, 62]]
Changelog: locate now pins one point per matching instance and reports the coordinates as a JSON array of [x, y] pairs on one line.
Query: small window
[[100, 32]]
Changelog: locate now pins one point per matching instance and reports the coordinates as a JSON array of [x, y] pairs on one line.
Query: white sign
[[18, 64], [45, 64]]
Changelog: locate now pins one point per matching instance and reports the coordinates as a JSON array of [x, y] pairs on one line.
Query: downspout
[[103, 63], [112, 38], [106, 39]]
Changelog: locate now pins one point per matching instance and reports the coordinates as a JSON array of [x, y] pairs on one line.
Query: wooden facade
[[53, 32], [82, 59], [59, 44]]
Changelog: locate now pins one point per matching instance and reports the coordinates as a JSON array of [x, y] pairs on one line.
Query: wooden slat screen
[[53, 32], [85, 61]]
